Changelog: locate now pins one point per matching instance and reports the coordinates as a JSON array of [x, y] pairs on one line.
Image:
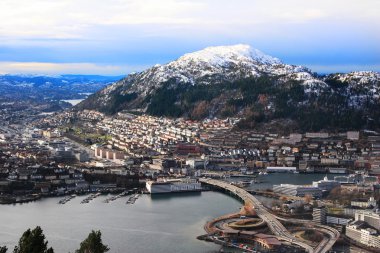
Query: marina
[[115, 197], [133, 199], [66, 199], [90, 198]]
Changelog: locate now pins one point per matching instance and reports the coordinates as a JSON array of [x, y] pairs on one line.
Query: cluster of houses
[[29, 161], [217, 145], [146, 134], [225, 147], [39, 161]]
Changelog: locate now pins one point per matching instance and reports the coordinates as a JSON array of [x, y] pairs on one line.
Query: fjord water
[[166, 223], [154, 224]]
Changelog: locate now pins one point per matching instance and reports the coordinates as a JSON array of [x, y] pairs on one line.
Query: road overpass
[[273, 221]]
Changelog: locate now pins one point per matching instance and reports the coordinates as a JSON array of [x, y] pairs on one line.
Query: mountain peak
[[220, 55]]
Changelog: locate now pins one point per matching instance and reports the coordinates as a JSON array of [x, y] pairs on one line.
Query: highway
[[273, 221]]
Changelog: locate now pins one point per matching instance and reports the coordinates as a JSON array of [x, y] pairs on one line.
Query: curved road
[[273, 221]]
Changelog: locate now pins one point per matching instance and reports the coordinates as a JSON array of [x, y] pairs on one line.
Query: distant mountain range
[[40, 87], [230, 81]]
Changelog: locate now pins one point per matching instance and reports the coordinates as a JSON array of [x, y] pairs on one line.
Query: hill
[[239, 81]]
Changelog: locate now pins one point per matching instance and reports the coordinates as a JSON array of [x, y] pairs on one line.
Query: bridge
[[273, 221]]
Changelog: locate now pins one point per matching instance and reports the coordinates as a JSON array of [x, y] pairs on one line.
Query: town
[[88, 152]]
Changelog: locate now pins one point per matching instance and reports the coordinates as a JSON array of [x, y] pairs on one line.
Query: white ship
[[173, 185]]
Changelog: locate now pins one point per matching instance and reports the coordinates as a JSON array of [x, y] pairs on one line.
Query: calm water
[[73, 102], [168, 223]]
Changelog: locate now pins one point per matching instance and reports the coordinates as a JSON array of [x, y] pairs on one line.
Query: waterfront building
[[297, 190], [337, 170], [173, 185], [281, 169]]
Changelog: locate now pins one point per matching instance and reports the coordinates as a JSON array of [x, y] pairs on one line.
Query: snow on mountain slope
[[223, 55], [227, 64], [210, 66], [359, 77], [359, 87]]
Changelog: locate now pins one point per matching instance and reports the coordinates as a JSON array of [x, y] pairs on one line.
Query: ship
[[173, 185]]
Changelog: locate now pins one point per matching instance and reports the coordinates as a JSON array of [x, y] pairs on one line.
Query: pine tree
[[93, 244], [33, 241]]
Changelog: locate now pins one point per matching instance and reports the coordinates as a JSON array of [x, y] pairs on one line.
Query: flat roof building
[[297, 190]]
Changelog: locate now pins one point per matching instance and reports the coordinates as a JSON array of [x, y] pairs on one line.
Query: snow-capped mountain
[[230, 79], [212, 65]]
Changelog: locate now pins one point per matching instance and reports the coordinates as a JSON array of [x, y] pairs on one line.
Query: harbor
[[175, 219], [137, 217], [90, 198], [132, 196], [66, 199]]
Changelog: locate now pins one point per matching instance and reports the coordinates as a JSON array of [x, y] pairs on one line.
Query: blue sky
[[120, 36]]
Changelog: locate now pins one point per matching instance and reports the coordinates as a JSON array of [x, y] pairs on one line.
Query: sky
[[116, 37]]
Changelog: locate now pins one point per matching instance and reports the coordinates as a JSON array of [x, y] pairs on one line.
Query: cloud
[[74, 18], [65, 68], [77, 18], [127, 33]]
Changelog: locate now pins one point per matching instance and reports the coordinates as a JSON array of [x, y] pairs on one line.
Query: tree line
[[34, 241], [256, 99]]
